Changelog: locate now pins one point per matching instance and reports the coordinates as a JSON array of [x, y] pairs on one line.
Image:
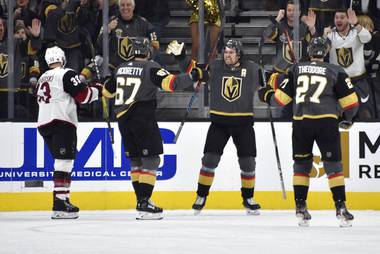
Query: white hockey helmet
[[55, 55]]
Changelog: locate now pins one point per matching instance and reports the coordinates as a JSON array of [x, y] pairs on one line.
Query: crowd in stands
[[352, 30], [76, 27]]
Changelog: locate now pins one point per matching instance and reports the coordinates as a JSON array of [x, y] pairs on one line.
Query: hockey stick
[[272, 124], [291, 51], [188, 110], [197, 88], [104, 102]]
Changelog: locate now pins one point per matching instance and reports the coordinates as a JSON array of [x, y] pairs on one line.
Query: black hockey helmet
[[235, 44], [318, 47], [141, 47]]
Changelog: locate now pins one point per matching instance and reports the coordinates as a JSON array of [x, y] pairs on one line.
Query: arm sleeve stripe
[[274, 34], [168, 83], [349, 101], [191, 66], [50, 8], [107, 94], [31, 50], [282, 98], [84, 95]]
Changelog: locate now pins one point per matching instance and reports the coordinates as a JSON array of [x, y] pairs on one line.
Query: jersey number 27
[[306, 83]]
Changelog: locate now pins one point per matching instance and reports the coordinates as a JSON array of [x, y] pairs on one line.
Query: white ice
[[213, 232]]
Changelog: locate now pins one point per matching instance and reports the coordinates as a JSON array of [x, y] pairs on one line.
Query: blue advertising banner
[[106, 171]]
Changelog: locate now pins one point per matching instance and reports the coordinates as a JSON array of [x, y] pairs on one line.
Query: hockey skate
[[343, 215], [63, 209], [302, 214], [199, 204], [147, 210], [251, 206]]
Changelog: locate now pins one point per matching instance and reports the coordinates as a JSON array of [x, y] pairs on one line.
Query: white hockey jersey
[[347, 51], [58, 90]]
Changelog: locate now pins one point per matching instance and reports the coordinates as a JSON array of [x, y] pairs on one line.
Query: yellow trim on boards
[[34, 201]]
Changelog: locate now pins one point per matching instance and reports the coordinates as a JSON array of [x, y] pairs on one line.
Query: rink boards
[[101, 173]]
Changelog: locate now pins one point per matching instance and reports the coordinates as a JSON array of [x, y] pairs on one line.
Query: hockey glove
[[99, 87], [265, 94], [345, 124], [199, 74], [176, 49]]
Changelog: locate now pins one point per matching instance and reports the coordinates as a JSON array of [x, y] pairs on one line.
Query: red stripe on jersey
[[335, 175], [191, 66], [172, 82], [301, 174], [248, 177], [82, 95], [55, 121], [62, 192], [352, 105], [203, 173]]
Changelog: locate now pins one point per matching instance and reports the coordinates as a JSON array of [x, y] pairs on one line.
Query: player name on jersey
[[136, 71], [46, 79], [312, 69]]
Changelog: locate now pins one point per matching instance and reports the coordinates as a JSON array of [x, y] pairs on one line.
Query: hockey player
[[135, 85], [347, 50], [317, 88], [233, 82], [58, 91]]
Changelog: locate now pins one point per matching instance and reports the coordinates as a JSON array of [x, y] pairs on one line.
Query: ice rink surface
[[213, 232]]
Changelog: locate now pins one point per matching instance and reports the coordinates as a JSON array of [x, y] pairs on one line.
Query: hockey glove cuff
[[345, 124], [199, 74], [265, 94]]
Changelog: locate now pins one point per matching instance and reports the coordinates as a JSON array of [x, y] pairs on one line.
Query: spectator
[[325, 11], [372, 59], [370, 8], [156, 12], [281, 31], [212, 20], [62, 29], [90, 16], [20, 51], [126, 24], [347, 45], [23, 13], [29, 72]]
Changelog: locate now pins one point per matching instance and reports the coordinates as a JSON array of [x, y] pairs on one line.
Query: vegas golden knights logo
[[231, 88], [3, 65], [345, 57], [318, 170], [286, 55], [125, 48], [66, 24]]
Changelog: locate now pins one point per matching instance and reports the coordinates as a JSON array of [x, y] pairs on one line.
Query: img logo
[[102, 164], [318, 170]]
